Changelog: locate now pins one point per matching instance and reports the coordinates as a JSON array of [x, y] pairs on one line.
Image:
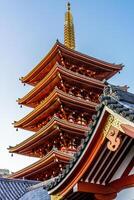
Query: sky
[[29, 28]]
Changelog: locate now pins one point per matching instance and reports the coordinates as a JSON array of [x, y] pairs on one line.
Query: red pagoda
[[66, 88]]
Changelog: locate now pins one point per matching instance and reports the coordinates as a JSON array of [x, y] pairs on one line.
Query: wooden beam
[[105, 197], [122, 183], [129, 130], [104, 192], [93, 188]]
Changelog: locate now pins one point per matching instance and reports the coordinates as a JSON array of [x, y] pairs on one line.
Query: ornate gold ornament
[[111, 131], [114, 139], [56, 197]]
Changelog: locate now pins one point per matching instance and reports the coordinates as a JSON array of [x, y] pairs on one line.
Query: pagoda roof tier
[[49, 132], [50, 105], [58, 53], [50, 162], [47, 84]]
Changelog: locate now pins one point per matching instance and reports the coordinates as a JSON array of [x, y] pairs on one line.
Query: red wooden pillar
[[105, 196]]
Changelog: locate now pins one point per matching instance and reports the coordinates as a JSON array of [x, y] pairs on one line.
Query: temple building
[[66, 89], [18, 189], [104, 165]]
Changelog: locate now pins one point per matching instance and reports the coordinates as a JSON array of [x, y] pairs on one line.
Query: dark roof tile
[[36, 194], [119, 94], [13, 189]]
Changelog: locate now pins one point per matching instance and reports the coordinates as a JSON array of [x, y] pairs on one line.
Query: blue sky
[[28, 29]]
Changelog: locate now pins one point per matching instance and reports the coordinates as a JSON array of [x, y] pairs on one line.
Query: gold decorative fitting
[[58, 99], [69, 35], [114, 139], [56, 197], [111, 121], [59, 75], [111, 131]]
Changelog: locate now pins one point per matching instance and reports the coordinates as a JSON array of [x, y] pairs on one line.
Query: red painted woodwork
[[122, 183], [74, 61], [105, 197], [129, 130], [67, 85], [93, 188]]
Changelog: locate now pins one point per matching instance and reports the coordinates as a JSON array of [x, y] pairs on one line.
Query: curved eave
[[46, 131], [29, 78], [56, 97], [90, 59], [40, 86], [113, 73], [54, 74], [49, 158], [47, 106], [93, 144], [38, 68]]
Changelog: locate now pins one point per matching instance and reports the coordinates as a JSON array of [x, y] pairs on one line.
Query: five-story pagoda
[[66, 87]]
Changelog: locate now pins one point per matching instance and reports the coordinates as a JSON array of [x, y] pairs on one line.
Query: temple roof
[[48, 131], [62, 50], [50, 104], [42, 164], [111, 102], [121, 95], [14, 189], [35, 194], [57, 73]]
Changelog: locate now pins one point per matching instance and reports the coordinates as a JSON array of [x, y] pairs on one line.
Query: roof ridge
[[18, 180]]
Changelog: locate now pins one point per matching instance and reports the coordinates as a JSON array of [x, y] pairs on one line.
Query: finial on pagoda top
[[69, 34], [68, 6]]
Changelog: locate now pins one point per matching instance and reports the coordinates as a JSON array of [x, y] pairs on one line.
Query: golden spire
[[69, 35]]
